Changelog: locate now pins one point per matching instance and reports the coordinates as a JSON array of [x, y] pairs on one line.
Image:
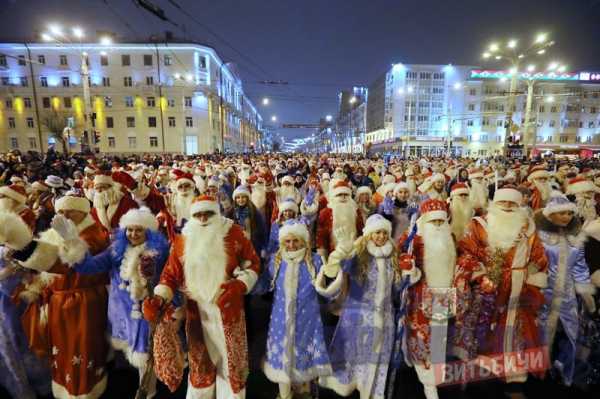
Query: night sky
[[323, 46]]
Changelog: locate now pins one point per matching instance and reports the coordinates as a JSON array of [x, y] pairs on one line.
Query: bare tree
[[56, 122]]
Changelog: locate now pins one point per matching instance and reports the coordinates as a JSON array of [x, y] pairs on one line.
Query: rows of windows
[[63, 60], [130, 121], [128, 101], [112, 142]]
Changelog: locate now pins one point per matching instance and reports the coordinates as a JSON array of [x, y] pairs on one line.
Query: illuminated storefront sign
[[494, 74], [589, 76]]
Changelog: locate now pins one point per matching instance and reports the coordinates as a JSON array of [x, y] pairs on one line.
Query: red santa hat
[[74, 202], [288, 204], [14, 192], [508, 193], [139, 217], [241, 190], [17, 180], [537, 172], [375, 223], [182, 177], [458, 189], [205, 203], [363, 190], [475, 174], [294, 228], [433, 209], [580, 185], [341, 187]]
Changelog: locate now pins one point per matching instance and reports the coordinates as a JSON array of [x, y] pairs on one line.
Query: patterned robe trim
[[60, 392]]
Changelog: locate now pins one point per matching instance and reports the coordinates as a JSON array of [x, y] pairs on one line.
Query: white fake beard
[[478, 194], [439, 256], [412, 186], [259, 195], [462, 212], [7, 204], [204, 259], [286, 192], [182, 203], [325, 186], [504, 227], [243, 176], [107, 197], [586, 208], [544, 188], [344, 215]]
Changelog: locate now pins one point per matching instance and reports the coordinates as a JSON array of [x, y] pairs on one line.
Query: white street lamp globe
[[78, 32], [265, 101], [105, 41], [274, 118]]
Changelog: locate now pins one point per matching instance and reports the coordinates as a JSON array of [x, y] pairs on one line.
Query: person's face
[[287, 184], [73, 215], [402, 194], [463, 197], [136, 235], [211, 190], [292, 243], [342, 198], [508, 206], [438, 185], [364, 198], [588, 195], [204, 217], [464, 174], [561, 219], [288, 214], [541, 180], [185, 189], [102, 187], [437, 222], [241, 200], [380, 237], [525, 201]]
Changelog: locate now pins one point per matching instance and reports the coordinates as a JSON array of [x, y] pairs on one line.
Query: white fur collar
[[294, 256], [133, 281], [85, 223], [380, 252]]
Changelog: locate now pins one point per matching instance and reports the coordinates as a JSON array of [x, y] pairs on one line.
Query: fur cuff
[[585, 288], [595, 277], [43, 257], [539, 280], [164, 291], [28, 296], [309, 210], [333, 289], [246, 276], [414, 275], [73, 252]]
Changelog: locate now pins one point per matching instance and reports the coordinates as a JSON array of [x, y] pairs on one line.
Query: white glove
[[343, 239], [589, 303], [65, 228]]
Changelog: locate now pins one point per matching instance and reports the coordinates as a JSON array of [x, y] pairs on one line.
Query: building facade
[[144, 97], [351, 121]]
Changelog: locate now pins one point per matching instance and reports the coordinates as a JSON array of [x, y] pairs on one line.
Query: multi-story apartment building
[[144, 97], [351, 121], [417, 109]]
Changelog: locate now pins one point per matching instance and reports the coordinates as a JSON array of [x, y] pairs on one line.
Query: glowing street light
[[105, 41], [265, 101], [329, 118], [457, 86], [512, 43], [531, 68], [78, 32], [486, 55], [553, 66], [46, 37], [353, 100], [401, 91], [189, 77], [410, 89], [541, 38], [56, 30], [274, 118], [177, 76], [550, 99], [493, 47]]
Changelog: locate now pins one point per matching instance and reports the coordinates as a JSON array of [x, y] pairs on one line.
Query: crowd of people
[[367, 265]]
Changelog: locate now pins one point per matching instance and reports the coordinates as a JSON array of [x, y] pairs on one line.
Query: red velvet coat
[[125, 204], [325, 229]]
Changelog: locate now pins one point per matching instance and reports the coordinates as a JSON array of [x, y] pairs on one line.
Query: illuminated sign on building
[[589, 76], [494, 74]]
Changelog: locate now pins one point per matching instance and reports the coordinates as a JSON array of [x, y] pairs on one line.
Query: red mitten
[[406, 262], [231, 300], [152, 307]]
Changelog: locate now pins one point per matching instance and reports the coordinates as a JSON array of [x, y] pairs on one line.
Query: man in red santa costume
[[341, 213], [478, 192], [507, 260], [179, 202], [110, 200], [214, 265], [13, 199], [461, 209], [585, 193], [539, 179]]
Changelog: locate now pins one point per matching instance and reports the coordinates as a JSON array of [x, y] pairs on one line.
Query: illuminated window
[[411, 75], [111, 142], [151, 121], [27, 102], [168, 60], [149, 80], [11, 123], [110, 123], [171, 121], [132, 142], [46, 102], [171, 102], [588, 139], [30, 123], [125, 60], [129, 101], [67, 101], [127, 81], [41, 59], [9, 103], [32, 143], [24, 81], [104, 60], [44, 81], [189, 121], [14, 143], [63, 60], [471, 107], [22, 60], [472, 92], [106, 81], [542, 109], [108, 101], [425, 75], [3, 60], [564, 139], [147, 59], [151, 102], [485, 122], [66, 82], [153, 141], [188, 101], [130, 121]]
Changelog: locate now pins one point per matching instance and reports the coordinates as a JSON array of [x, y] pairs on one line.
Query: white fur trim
[[298, 376], [459, 191], [205, 206], [508, 194], [585, 288], [297, 229], [595, 277], [333, 289], [549, 210], [43, 257], [537, 174], [538, 279], [581, 187], [476, 175], [73, 253], [433, 215], [103, 179], [136, 359], [414, 275], [14, 233], [69, 202], [309, 210], [363, 190], [342, 190], [376, 223], [287, 206], [10, 193], [246, 276], [139, 217], [164, 291], [60, 392]]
